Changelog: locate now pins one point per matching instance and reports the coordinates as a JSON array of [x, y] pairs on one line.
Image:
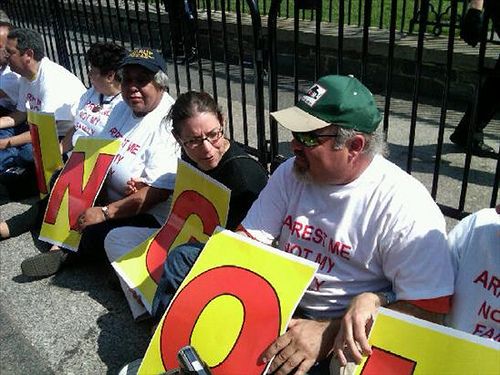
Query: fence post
[[62, 49]]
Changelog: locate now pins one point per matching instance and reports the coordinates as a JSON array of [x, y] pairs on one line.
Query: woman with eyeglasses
[[198, 127]]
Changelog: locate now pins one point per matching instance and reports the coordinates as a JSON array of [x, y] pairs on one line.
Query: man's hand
[[134, 185], [471, 27], [4, 143], [305, 343], [90, 216], [354, 328]]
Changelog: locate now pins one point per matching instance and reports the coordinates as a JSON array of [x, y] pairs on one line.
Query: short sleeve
[[265, 217]]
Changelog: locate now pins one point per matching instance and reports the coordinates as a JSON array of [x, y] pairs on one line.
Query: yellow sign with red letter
[[404, 345], [236, 300], [46, 151], [199, 205], [76, 189]]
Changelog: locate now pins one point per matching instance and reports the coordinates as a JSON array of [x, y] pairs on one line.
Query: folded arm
[[13, 119], [140, 201]]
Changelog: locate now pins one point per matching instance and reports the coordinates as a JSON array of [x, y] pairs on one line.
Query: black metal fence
[[256, 57]]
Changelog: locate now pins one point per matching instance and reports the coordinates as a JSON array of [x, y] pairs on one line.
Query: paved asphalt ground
[[77, 322]]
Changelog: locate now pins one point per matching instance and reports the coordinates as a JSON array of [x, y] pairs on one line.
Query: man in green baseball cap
[[376, 233]]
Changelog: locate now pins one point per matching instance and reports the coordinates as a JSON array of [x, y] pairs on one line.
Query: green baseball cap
[[339, 100]]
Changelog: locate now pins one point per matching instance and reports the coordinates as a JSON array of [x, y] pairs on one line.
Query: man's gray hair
[[161, 80], [375, 142]]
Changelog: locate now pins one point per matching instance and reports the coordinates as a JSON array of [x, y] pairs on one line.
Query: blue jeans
[[179, 262], [15, 156]]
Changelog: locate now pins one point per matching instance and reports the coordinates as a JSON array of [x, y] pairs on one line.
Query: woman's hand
[[91, 216], [134, 185]]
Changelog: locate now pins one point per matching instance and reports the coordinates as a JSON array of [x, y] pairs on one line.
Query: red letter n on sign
[[71, 179], [387, 363]]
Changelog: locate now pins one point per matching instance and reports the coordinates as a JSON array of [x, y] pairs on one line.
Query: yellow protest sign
[[46, 152], [76, 189], [236, 300], [404, 345], [199, 205]]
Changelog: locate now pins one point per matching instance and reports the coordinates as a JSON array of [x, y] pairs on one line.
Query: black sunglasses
[[310, 139]]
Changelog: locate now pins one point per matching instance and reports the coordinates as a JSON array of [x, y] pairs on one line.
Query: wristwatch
[[387, 298], [105, 212]]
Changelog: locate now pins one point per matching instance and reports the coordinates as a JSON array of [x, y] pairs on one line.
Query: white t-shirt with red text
[[9, 84], [92, 113], [148, 151], [53, 90], [475, 244], [381, 231]]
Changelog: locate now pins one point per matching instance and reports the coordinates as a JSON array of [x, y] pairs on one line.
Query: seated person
[[476, 257], [198, 127], [371, 226], [92, 114], [9, 90], [148, 151], [44, 86], [477, 269]]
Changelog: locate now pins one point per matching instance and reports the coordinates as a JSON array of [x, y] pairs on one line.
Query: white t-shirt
[[92, 113], [475, 245], [9, 84], [53, 90], [381, 231], [148, 151]]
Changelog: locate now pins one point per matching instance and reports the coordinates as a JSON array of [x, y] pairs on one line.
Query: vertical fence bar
[[273, 75], [110, 20], [319, 15], [424, 10], [473, 118], [444, 105], [226, 63], [138, 18], [129, 25], [103, 23], [340, 39], [366, 31], [119, 19], [173, 49], [75, 21], [86, 18], [241, 58], [93, 17], [62, 49], [67, 37], [390, 65], [210, 50], [295, 54], [148, 25], [258, 68]]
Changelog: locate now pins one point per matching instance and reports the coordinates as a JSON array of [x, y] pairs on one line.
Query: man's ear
[[110, 76], [357, 144], [29, 52]]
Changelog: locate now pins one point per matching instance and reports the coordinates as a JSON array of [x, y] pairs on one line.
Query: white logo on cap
[[313, 95]]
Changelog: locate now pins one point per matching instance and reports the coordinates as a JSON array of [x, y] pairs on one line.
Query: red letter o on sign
[[260, 327]]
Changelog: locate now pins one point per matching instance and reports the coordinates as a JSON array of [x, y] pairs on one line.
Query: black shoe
[[479, 148], [45, 264]]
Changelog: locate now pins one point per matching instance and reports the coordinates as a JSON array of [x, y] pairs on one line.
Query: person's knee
[[180, 260]]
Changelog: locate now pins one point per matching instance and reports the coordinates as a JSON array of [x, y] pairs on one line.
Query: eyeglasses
[[310, 139], [212, 136]]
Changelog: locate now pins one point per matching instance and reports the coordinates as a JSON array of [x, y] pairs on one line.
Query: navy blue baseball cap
[[147, 58]]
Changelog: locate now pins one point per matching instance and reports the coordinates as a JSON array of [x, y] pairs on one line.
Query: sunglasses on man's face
[[310, 139]]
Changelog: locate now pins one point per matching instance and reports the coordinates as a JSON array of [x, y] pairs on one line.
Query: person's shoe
[[479, 148], [131, 368], [44, 265]]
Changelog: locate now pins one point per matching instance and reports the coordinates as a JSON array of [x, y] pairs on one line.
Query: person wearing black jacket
[[488, 102]]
